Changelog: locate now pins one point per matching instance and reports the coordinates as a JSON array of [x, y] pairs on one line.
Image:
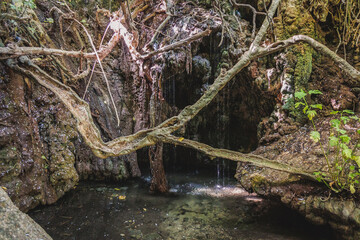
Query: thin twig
[[255, 12], [158, 30], [93, 68], [13, 17], [178, 44], [102, 69]]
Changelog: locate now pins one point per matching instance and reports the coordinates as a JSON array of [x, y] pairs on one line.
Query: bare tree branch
[[20, 51], [254, 14], [234, 156], [81, 112], [128, 144], [13, 17], [158, 30], [178, 44], [280, 45], [103, 52]]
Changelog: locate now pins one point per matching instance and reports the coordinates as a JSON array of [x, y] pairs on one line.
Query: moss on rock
[[294, 18]]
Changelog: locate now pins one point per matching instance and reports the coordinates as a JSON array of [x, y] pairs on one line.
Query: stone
[[15, 224]]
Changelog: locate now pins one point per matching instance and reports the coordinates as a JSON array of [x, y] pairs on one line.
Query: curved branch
[[281, 45], [13, 17], [234, 156], [158, 30], [103, 52], [255, 12], [81, 112], [178, 44], [124, 145], [21, 51]]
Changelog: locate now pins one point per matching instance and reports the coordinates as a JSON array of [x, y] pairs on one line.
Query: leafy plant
[[344, 168], [21, 6], [49, 20]]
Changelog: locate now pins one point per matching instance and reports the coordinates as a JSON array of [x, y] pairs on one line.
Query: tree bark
[[158, 180]]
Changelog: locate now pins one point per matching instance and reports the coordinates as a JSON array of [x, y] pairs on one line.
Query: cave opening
[[230, 121]]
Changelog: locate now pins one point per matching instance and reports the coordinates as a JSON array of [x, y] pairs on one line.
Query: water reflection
[[196, 208]]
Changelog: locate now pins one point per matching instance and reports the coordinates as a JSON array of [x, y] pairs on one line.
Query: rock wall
[[37, 147], [42, 154], [314, 200], [284, 134]]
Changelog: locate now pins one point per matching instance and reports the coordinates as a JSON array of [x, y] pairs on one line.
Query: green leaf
[[339, 130], [49, 20], [344, 119], [358, 131], [345, 139], [352, 189], [357, 160], [348, 112], [343, 146], [347, 153], [333, 141], [354, 118], [311, 114], [315, 136], [298, 104], [352, 168], [315, 92], [301, 94], [334, 112], [342, 131], [335, 123], [318, 106], [305, 108], [30, 3]]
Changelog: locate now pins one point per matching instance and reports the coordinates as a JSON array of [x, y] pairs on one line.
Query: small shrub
[[344, 166]]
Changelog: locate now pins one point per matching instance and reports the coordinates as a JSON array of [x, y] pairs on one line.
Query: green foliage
[[49, 20], [20, 6], [315, 136], [344, 168]]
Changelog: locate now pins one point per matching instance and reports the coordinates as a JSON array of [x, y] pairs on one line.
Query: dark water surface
[[196, 208]]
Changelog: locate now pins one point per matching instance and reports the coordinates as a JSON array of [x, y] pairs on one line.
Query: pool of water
[[196, 208]]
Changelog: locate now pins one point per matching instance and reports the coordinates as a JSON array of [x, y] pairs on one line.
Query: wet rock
[[135, 234], [310, 199], [17, 225], [201, 68]]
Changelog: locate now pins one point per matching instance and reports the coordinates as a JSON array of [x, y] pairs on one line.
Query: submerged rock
[[17, 225]]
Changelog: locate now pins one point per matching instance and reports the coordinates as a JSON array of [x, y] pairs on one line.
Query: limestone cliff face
[[37, 150], [42, 154]]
